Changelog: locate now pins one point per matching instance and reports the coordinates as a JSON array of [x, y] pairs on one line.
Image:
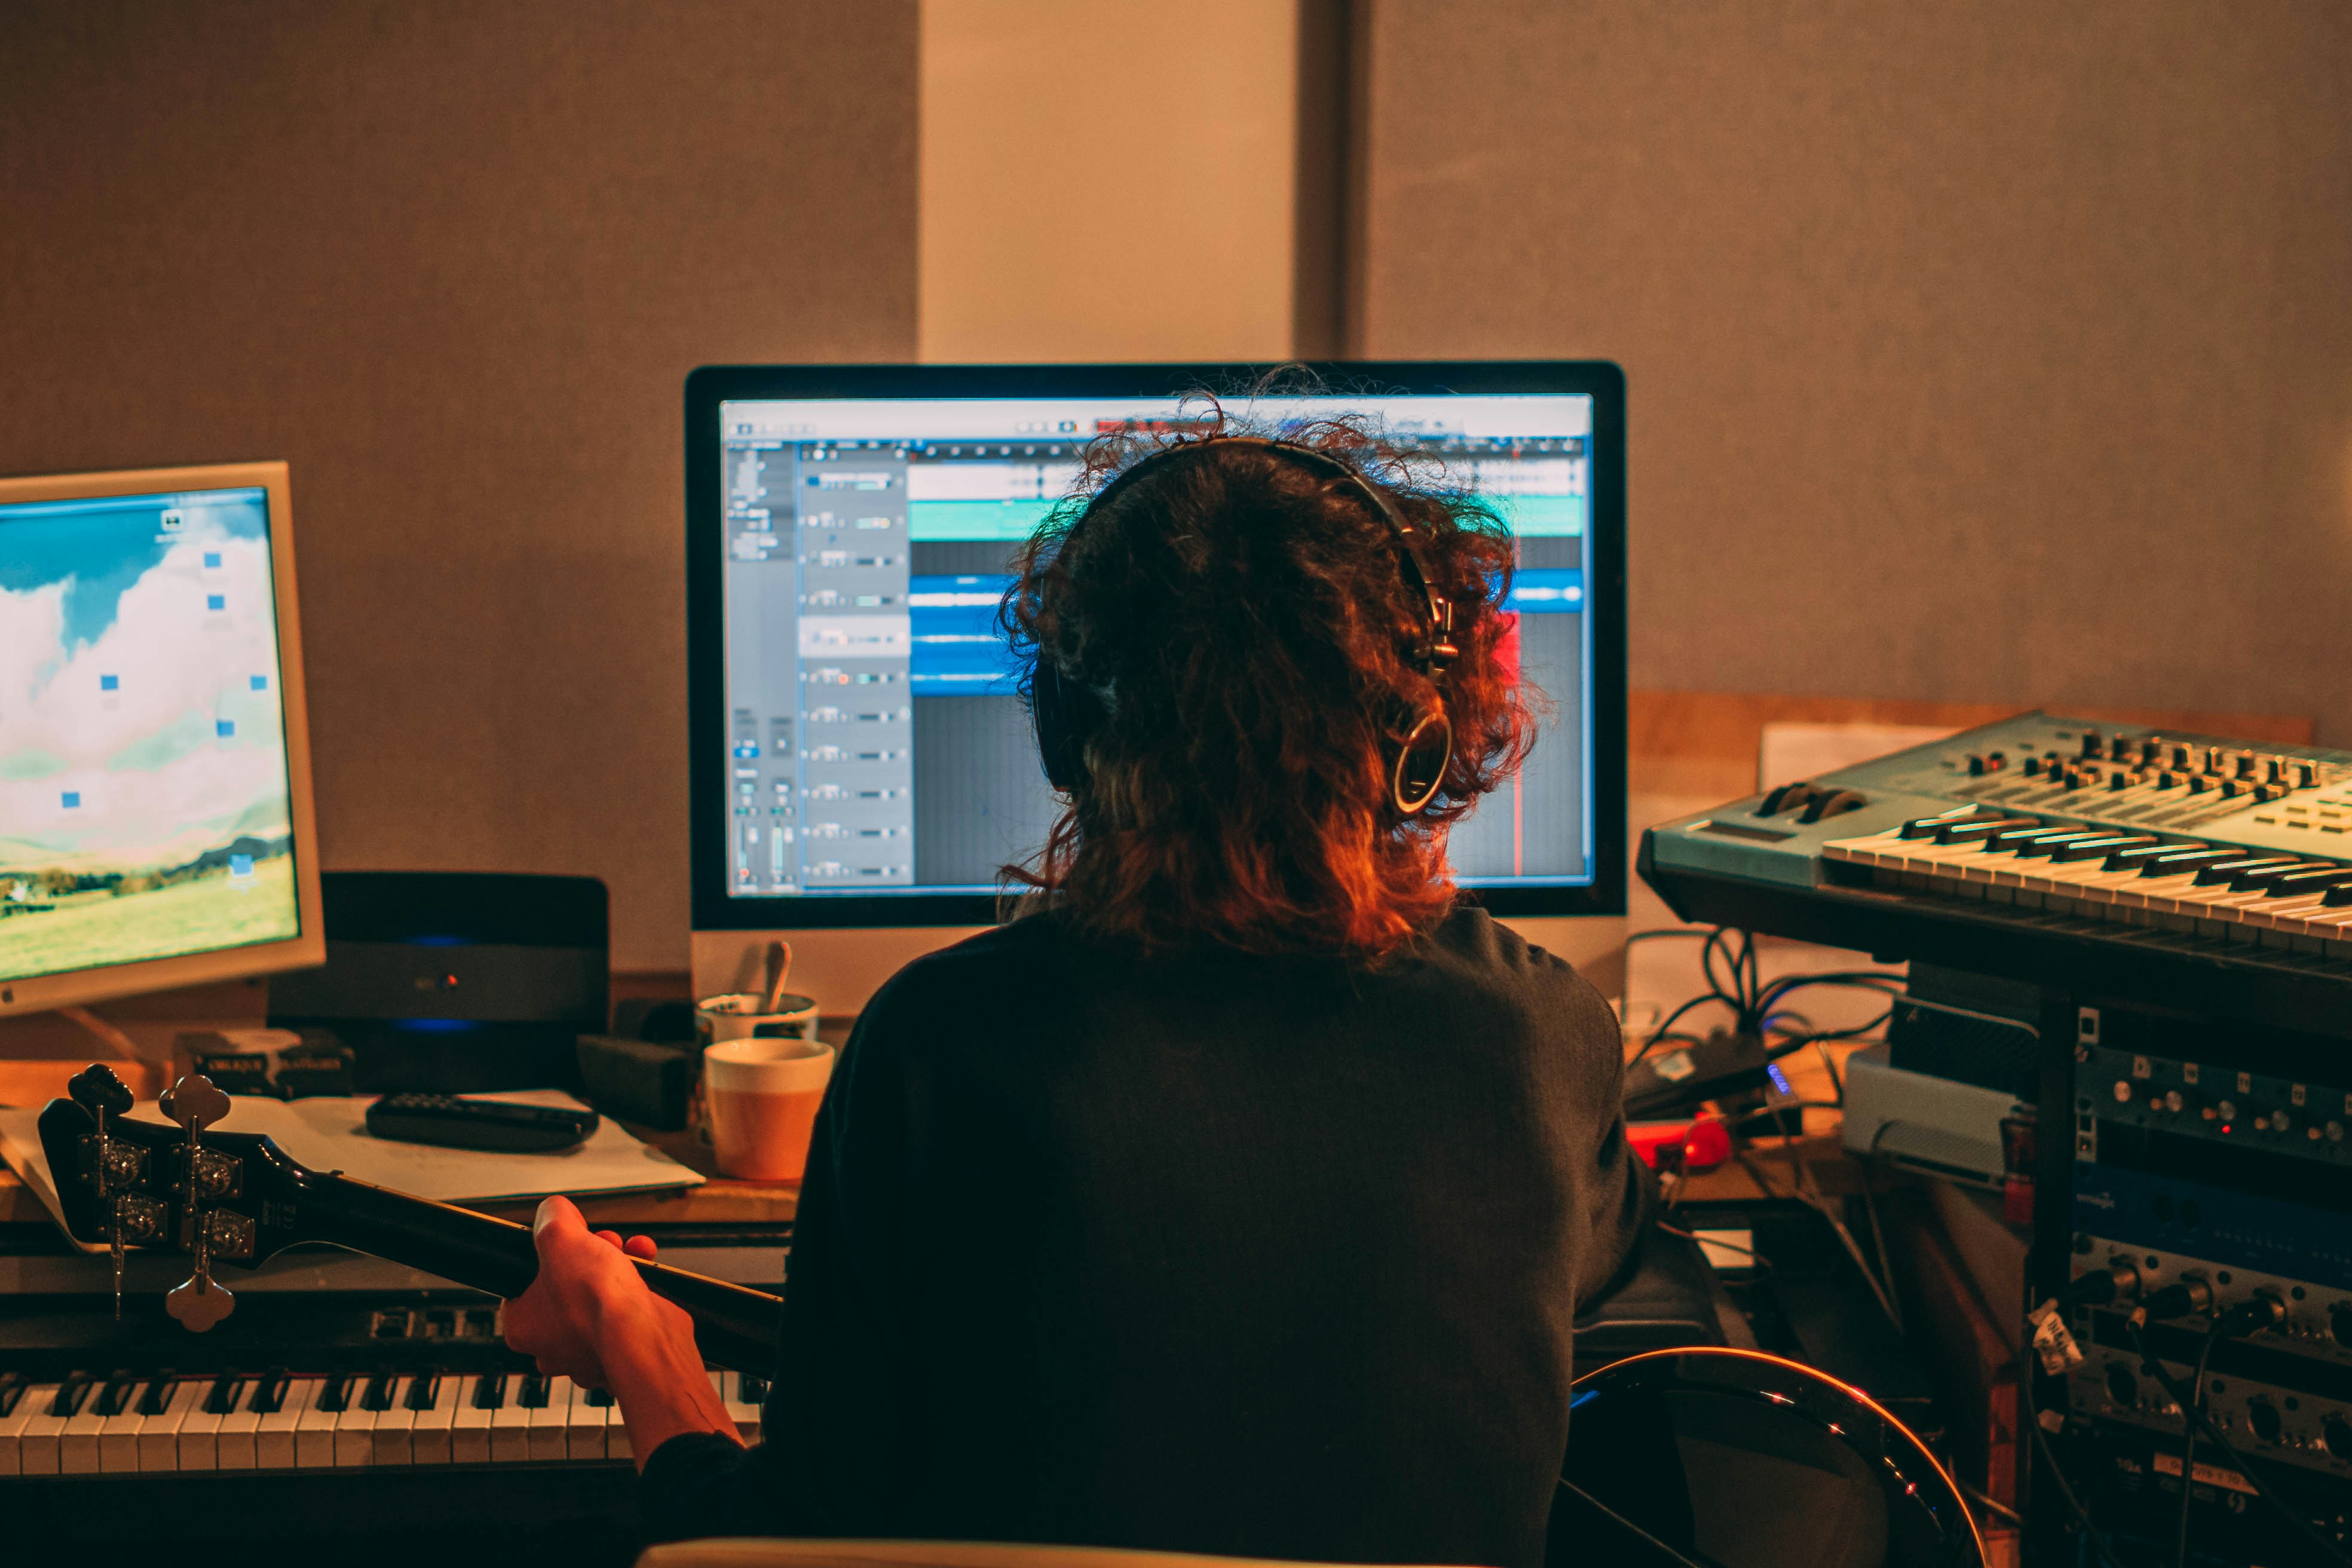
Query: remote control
[[498, 1125]]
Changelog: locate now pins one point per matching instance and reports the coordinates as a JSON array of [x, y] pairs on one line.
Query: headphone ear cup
[[1420, 763], [1060, 710]]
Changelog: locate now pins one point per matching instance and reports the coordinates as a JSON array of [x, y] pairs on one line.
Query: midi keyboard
[[2191, 865]]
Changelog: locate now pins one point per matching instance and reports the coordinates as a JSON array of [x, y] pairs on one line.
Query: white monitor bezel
[[307, 947]]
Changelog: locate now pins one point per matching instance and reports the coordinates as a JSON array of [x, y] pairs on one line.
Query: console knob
[[2093, 742], [2306, 775]]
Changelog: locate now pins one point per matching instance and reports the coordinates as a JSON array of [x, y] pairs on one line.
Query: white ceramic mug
[[744, 1015]]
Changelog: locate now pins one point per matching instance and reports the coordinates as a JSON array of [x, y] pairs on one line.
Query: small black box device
[[456, 982]]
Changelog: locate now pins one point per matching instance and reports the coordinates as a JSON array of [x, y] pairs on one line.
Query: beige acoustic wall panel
[[1107, 180], [453, 262], [1996, 352]]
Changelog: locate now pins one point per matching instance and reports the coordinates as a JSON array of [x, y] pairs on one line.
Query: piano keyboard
[[2179, 869], [128, 1423], [2218, 891]]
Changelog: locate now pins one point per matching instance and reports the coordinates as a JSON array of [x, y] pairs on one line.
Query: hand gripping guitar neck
[[237, 1198]]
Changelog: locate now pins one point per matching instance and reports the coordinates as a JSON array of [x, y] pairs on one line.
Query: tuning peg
[[96, 1089], [195, 1103], [200, 1300]]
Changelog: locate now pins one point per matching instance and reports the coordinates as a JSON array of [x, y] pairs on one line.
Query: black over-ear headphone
[[1065, 711]]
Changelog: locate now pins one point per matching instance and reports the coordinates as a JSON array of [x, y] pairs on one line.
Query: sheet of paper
[[330, 1134]]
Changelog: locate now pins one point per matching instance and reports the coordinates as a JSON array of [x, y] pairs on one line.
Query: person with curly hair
[[1238, 1196]]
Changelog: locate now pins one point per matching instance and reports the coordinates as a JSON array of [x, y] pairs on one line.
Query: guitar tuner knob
[[195, 1103], [96, 1087]]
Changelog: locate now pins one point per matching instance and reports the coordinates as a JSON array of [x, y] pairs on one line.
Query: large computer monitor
[[156, 821], [861, 758]]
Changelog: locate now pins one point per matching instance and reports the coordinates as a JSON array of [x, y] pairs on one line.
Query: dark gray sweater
[[1273, 1257]]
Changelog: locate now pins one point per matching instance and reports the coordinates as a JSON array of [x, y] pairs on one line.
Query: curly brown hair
[[1244, 623]]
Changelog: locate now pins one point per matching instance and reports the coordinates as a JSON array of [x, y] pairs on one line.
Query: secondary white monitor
[[861, 754], [155, 814]]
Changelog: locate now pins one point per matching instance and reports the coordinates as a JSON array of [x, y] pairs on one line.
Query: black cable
[[2149, 1365], [1668, 1023], [2213, 1336], [2041, 1447]]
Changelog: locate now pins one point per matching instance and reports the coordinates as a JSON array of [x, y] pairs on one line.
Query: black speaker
[[456, 982]]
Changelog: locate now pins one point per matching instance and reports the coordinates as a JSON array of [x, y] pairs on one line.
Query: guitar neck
[[734, 1326]]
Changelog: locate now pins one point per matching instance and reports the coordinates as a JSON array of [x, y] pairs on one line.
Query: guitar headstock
[[222, 1196]]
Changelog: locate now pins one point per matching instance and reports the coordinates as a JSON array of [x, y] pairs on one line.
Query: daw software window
[[878, 744]]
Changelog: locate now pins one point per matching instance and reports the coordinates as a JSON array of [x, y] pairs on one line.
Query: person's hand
[[589, 1317], [586, 1290]]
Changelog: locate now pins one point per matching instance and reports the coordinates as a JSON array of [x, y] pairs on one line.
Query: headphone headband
[[1058, 707]]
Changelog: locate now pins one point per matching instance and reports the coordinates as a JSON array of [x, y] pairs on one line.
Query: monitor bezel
[[714, 909], [308, 946]]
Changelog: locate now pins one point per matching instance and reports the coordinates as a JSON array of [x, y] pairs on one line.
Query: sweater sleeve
[[1620, 1191], [833, 1416]]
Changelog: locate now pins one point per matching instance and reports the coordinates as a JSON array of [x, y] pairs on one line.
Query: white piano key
[[469, 1425], [511, 1426], [429, 1438], [584, 1432], [548, 1423], [36, 1446], [199, 1444], [14, 1451], [117, 1439], [78, 1443], [395, 1430], [740, 1410], [616, 1435], [314, 1430], [356, 1428], [240, 1428], [274, 1439], [159, 1435]]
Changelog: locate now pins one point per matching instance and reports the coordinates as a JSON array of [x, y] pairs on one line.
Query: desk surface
[[721, 1201]]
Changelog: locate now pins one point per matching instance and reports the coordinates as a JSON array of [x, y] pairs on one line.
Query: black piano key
[[490, 1393], [755, 1390], [158, 1397], [600, 1398], [336, 1397], [116, 1394], [71, 1394], [221, 1398], [532, 1396], [269, 1391], [2038, 845], [1928, 826], [2337, 896], [2099, 849], [379, 1392], [2222, 872], [2174, 863], [1981, 828], [2139, 855], [2029, 842], [12, 1390], [2304, 880], [423, 1389]]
